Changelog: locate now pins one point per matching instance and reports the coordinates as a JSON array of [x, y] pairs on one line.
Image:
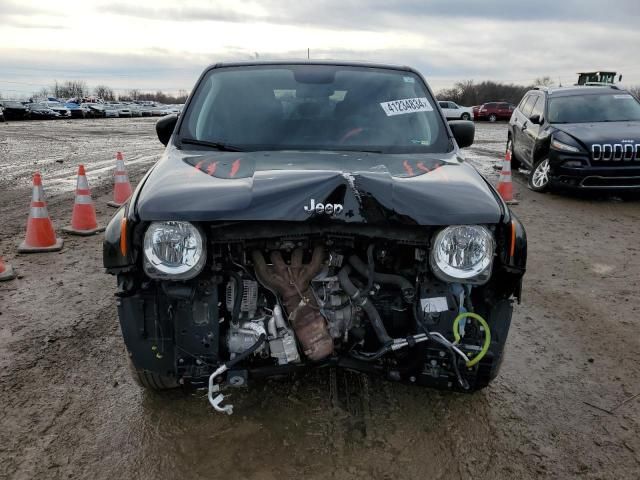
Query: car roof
[[580, 90], [338, 63]]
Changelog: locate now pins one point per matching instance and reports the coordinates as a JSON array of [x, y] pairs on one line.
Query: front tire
[[539, 176], [465, 116], [492, 118], [151, 380]]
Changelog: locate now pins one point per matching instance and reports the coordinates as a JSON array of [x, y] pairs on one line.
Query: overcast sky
[[161, 44]]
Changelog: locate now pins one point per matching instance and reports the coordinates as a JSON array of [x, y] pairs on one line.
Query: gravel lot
[[70, 409]]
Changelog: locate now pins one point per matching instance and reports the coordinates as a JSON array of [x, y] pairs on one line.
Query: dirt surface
[[69, 408]]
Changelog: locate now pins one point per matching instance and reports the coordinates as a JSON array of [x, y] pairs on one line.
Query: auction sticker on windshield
[[406, 105]]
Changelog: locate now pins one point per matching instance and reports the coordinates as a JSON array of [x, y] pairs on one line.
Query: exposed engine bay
[[264, 304], [309, 301]]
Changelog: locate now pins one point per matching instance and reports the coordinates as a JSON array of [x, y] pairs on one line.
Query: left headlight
[[463, 253], [173, 250], [564, 147]]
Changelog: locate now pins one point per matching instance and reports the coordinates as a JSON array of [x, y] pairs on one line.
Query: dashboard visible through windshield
[[314, 107], [609, 107]]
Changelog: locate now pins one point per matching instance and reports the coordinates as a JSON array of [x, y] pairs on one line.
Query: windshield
[[606, 107], [315, 107]]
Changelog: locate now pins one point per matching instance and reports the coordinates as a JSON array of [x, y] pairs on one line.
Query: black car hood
[[601, 132], [412, 189]]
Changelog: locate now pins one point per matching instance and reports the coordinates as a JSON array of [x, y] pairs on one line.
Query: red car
[[493, 111]]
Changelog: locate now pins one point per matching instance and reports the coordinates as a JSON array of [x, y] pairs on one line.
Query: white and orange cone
[[505, 185], [41, 236], [6, 271], [121, 187], [83, 218]]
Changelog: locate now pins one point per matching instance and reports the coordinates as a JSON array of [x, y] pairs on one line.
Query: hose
[[365, 304], [370, 357], [452, 349], [487, 335], [370, 273], [402, 283]]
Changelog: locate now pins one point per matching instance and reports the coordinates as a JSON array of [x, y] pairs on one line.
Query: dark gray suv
[[582, 137]]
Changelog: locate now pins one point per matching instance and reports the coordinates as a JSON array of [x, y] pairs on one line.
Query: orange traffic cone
[[6, 272], [83, 218], [121, 187], [40, 234], [505, 186]]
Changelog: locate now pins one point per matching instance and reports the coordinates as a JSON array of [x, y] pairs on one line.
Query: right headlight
[[463, 254], [173, 250]]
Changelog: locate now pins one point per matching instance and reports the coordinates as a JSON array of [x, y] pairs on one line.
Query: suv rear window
[[605, 107], [315, 107]]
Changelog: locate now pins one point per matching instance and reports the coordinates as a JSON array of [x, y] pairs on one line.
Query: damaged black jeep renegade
[[310, 215]]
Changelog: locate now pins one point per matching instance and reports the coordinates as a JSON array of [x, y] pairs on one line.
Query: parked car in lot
[[453, 111], [161, 110], [94, 110], [1, 114], [76, 110], [146, 110], [111, 111], [58, 107], [136, 110], [14, 110], [345, 231], [123, 111], [41, 111], [494, 111], [582, 137]]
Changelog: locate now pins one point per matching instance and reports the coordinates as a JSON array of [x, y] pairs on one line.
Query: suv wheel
[[539, 176], [465, 116], [515, 163], [492, 117], [150, 380]]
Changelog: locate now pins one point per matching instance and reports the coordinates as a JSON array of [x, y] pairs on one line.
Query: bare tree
[[468, 92], [104, 92], [635, 91], [42, 93], [543, 82], [69, 89]]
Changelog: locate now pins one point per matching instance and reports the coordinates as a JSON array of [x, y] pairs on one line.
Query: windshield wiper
[[225, 147]]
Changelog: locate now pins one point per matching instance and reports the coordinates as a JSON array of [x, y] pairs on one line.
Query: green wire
[[487, 335]]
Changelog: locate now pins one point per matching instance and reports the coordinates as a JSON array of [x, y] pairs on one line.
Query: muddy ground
[[68, 408]]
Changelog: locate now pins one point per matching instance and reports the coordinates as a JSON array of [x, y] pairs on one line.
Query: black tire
[[493, 118], [515, 163], [539, 176], [151, 380], [465, 116]]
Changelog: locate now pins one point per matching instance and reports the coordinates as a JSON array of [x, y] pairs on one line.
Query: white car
[[453, 111], [111, 111]]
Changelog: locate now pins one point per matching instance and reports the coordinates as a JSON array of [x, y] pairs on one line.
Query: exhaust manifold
[[293, 283]]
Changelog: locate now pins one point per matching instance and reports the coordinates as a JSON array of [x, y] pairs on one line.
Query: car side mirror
[[463, 131], [165, 126], [536, 119]]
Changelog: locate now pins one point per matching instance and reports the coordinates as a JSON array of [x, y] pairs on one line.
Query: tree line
[[80, 89], [468, 93]]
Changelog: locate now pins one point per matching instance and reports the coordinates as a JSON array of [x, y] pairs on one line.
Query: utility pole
[[308, 53]]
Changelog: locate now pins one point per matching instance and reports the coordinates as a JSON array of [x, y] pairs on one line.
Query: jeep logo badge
[[328, 208]]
